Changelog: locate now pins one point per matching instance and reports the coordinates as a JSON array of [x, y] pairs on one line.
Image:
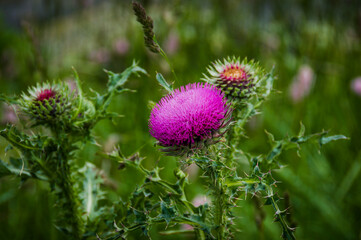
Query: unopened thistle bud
[[235, 78], [189, 118], [147, 23], [47, 103]]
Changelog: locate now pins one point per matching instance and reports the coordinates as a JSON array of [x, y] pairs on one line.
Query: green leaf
[[8, 169], [168, 213], [271, 138], [175, 232], [7, 99], [164, 83], [301, 133], [151, 105], [116, 80], [8, 148], [115, 85], [91, 193], [4, 169], [324, 140], [269, 82]]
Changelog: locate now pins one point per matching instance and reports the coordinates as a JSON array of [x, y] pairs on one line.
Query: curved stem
[[164, 55], [287, 232]]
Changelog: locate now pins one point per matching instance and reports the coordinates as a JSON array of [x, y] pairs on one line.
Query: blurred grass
[[325, 35]]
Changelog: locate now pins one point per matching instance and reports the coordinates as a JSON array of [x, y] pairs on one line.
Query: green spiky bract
[[236, 88], [55, 111]]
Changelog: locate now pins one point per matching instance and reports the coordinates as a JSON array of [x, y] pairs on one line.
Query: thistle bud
[[235, 78], [47, 103]]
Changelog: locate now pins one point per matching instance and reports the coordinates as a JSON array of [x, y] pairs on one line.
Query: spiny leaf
[[8, 148], [7, 99], [91, 192], [269, 82], [324, 140], [164, 83], [167, 212], [7, 169], [117, 80]]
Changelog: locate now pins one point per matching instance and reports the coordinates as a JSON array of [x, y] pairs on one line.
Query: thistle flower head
[[47, 103], [189, 117], [235, 78], [45, 94]]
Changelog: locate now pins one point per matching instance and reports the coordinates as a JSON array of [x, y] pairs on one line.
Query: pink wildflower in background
[[356, 86], [189, 114], [101, 55], [8, 114], [197, 201], [172, 43], [302, 83], [121, 46], [200, 200], [192, 171]]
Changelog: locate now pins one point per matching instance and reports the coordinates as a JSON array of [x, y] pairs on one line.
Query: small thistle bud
[[189, 118], [235, 78], [47, 103], [147, 23]]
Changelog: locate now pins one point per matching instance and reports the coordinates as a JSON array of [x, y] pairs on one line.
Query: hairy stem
[[219, 203], [72, 209], [219, 209], [68, 197]]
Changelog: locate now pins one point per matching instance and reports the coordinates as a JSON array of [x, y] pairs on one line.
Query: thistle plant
[[200, 123], [52, 156], [194, 123]]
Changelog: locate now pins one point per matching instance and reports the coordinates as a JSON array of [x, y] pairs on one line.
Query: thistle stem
[[164, 55], [219, 203], [68, 198], [72, 209], [287, 233], [219, 210]]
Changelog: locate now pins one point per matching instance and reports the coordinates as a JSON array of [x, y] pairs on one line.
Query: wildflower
[[233, 77], [8, 114], [47, 102], [101, 55], [192, 171], [302, 84], [197, 201], [121, 46], [172, 43], [200, 200], [356, 86], [189, 117]]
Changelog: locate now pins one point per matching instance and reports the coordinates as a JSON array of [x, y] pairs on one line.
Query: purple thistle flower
[[189, 115]]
